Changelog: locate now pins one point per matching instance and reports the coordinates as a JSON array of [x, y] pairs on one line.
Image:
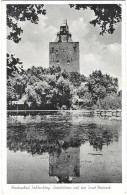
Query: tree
[[54, 89], [99, 85], [64, 92], [75, 79], [107, 15], [110, 101], [13, 65], [15, 13], [11, 93], [87, 101], [18, 12]]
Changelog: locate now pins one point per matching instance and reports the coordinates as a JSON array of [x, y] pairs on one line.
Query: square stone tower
[[64, 52]]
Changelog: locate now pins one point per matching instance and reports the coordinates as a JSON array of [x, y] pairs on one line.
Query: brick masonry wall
[[65, 55]]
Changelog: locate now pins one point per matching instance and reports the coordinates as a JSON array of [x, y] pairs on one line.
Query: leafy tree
[[36, 93], [54, 99], [81, 90], [75, 78], [22, 12], [54, 70], [13, 65], [50, 79], [100, 85], [11, 93], [55, 89], [110, 101], [87, 101], [65, 74], [32, 96], [64, 92], [107, 15]]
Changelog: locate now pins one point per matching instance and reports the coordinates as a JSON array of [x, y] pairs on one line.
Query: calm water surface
[[63, 147]]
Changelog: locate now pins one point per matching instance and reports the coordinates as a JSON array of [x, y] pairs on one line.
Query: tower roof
[[64, 35]]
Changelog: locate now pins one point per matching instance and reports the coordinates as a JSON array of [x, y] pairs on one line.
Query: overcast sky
[[96, 51]]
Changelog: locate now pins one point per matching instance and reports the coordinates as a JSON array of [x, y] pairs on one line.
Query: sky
[[96, 52]]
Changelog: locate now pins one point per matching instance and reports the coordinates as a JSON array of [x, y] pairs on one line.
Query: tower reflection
[[66, 165]]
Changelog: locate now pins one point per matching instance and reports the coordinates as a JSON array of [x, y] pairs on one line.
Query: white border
[[116, 188]]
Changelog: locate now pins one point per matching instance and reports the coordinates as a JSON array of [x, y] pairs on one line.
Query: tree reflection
[[54, 137], [62, 141], [99, 138]]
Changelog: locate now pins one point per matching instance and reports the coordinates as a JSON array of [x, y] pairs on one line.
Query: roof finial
[[64, 22]]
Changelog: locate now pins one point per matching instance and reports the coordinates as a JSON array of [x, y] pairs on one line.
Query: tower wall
[[65, 55]]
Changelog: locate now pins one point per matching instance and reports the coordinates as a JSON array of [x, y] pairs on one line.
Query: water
[[63, 147]]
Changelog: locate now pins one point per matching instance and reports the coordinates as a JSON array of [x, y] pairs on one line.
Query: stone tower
[[64, 52]]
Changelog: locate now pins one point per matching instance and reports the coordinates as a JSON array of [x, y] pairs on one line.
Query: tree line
[[54, 89]]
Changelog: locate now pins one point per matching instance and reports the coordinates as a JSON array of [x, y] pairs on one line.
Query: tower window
[[57, 61], [68, 62], [52, 49], [74, 48]]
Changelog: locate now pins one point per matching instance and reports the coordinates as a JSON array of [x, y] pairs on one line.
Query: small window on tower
[[68, 62], [52, 49], [74, 48], [56, 51], [57, 61]]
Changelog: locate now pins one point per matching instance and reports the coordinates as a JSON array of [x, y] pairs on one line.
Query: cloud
[[95, 51], [91, 62], [114, 48], [34, 46], [79, 29]]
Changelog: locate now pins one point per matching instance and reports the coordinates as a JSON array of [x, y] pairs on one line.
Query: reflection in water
[[61, 134], [65, 165], [98, 139]]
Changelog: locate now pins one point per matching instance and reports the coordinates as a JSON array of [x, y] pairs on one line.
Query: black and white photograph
[[64, 93]]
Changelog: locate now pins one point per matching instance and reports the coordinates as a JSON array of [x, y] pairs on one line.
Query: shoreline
[[97, 112]]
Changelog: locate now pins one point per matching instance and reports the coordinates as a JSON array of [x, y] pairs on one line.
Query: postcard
[[64, 97]]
